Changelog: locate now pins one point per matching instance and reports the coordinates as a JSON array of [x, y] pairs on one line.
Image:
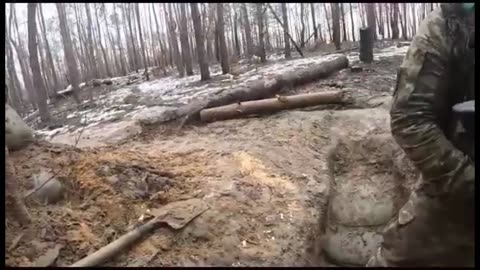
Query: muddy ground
[[267, 182]]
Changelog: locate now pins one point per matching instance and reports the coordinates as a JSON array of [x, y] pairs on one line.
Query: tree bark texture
[[336, 25], [202, 58], [40, 92], [221, 40], [68, 50], [270, 105], [366, 45]]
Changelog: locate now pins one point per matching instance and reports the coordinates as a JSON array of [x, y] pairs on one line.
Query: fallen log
[[270, 105], [266, 88], [260, 89]]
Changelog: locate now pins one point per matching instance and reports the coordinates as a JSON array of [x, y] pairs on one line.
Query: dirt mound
[[254, 208], [267, 197], [266, 180], [368, 189], [97, 209]]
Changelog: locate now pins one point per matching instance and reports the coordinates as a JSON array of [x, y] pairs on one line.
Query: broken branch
[[286, 30]]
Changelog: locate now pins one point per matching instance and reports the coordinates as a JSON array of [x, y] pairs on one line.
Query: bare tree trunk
[[22, 59], [173, 41], [162, 48], [400, 17], [268, 44], [366, 45], [217, 43], [314, 24], [40, 93], [119, 41], [12, 72], [142, 42], [221, 39], [381, 27], [360, 7], [153, 49], [370, 8], [197, 25], [405, 36], [117, 60], [13, 78], [237, 41], [84, 55], [230, 16], [285, 31], [261, 43], [248, 33], [49, 52], [328, 23], [93, 62], [146, 26], [353, 24], [13, 97], [414, 20], [132, 40], [105, 58], [68, 50], [129, 56], [43, 64], [187, 58], [422, 12], [98, 53], [344, 25], [336, 25], [302, 29], [388, 17], [394, 21], [207, 29], [138, 52]]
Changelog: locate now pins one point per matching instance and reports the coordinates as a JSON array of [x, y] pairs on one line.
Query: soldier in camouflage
[[436, 226]]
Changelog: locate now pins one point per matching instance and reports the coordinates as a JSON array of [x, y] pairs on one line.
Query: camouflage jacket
[[437, 72]]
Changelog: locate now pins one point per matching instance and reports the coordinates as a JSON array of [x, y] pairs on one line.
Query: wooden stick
[[104, 254]]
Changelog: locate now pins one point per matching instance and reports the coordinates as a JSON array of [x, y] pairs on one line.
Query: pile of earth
[[296, 188], [268, 199]]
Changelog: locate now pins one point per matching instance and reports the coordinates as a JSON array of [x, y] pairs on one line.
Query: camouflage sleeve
[[420, 96]]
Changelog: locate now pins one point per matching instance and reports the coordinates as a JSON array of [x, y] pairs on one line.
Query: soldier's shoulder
[[432, 32], [437, 32]]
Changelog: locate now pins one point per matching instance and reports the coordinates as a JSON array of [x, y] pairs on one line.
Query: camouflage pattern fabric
[[436, 226]]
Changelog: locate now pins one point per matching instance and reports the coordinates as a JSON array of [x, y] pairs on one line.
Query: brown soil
[[266, 181]]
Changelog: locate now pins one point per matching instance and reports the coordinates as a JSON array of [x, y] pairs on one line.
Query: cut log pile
[[260, 89], [267, 88]]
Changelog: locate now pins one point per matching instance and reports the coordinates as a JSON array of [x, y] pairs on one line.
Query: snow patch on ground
[[378, 54], [115, 97], [174, 91], [49, 134]]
